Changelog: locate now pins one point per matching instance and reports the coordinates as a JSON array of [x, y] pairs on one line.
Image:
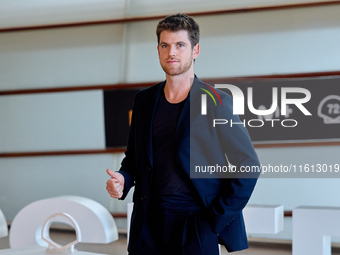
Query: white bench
[[263, 219], [312, 229], [3, 225]]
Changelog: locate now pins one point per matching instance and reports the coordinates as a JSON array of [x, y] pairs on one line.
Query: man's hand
[[115, 185]]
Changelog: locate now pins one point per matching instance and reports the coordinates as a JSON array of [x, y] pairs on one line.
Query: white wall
[[156, 7], [52, 121], [60, 57], [36, 12], [24, 180], [294, 192], [258, 43]]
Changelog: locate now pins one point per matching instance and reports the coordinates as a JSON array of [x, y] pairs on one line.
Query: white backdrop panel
[[273, 42], [261, 43], [75, 56], [52, 121], [25, 180], [142, 57], [293, 192], [37, 12], [153, 7]]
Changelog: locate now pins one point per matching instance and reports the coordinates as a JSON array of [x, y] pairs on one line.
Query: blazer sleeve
[[128, 165], [235, 192]]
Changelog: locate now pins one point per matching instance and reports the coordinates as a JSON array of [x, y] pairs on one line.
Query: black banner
[[118, 109]]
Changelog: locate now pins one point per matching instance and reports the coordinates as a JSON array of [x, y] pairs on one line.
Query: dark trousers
[[171, 232]]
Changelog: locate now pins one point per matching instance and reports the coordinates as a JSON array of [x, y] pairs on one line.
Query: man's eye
[[180, 45], [163, 46]]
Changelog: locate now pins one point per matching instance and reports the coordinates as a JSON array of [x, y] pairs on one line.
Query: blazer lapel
[[184, 119], [153, 105], [183, 122]]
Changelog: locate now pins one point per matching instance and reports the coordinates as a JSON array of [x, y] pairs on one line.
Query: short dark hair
[[178, 22]]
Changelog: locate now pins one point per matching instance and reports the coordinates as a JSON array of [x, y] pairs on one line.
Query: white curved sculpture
[[95, 222], [53, 246], [3, 225]]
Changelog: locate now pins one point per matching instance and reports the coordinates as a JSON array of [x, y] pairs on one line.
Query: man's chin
[[174, 72], [171, 72]]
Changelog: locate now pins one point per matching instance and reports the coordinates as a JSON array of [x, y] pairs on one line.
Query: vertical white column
[[313, 228], [3, 225]]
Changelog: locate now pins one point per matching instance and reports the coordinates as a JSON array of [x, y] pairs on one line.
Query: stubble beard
[[182, 68]]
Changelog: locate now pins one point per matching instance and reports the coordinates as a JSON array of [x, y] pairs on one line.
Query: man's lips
[[172, 61]]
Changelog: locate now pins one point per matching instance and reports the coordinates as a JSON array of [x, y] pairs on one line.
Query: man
[[173, 213]]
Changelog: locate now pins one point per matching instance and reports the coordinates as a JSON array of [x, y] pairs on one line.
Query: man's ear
[[158, 50], [196, 51]]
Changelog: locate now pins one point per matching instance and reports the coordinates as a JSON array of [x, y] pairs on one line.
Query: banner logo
[[204, 98], [239, 102]]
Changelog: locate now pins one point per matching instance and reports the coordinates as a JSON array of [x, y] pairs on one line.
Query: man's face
[[175, 52]]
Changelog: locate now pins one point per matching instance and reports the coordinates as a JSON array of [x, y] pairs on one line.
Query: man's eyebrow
[[180, 42]]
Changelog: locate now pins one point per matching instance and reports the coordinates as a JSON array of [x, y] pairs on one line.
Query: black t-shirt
[[169, 190]]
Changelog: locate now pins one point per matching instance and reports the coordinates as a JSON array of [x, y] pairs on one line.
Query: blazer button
[[143, 197], [148, 169]]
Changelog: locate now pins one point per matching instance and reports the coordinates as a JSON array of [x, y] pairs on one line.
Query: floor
[[119, 247]]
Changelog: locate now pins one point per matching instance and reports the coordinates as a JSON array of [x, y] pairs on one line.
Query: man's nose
[[172, 51]]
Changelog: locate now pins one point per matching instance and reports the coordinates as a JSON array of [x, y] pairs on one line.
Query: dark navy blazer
[[223, 198]]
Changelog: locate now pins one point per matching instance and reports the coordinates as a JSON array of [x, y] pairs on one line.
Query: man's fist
[[115, 185]]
